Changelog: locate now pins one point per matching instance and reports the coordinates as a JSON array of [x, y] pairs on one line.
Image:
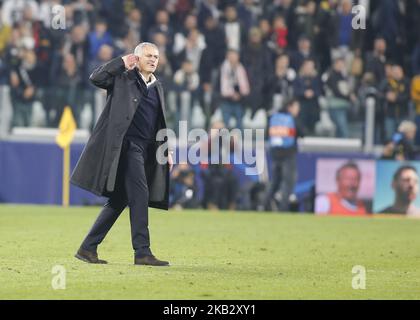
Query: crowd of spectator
[[231, 56]]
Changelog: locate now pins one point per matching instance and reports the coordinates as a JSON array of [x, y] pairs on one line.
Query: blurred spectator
[[404, 142], [126, 44], [193, 49], [322, 34], [76, 44], [388, 151], [275, 7], [125, 15], [235, 32], [12, 10], [80, 12], [181, 37], [285, 8], [44, 43], [186, 82], [162, 25], [105, 54], [31, 29], [133, 33], [248, 13], [345, 200], [281, 33], [67, 89], [178, 10], [212, 57], [375, 60], [266, 32], [23, 89], [257, 61], [220, 182], [307, 88], [13, 52], [234, 88], [339, 97], [164, 74], [98, 37], [380, 133], [184, 189], [342, 26], [303, 53], [209, 70], [396, 94], [134, 23], [305, 19], [388, 22], [284, 129], [215, 50], [161, 41], [279, 87], [207, 8]]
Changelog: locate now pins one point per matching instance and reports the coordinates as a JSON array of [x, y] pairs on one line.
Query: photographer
[[220, 182], [184, 193], [403, 142]]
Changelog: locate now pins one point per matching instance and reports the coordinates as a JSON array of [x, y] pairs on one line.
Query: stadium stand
[[288, 49]]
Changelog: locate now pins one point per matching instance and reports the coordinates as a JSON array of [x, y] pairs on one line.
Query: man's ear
[[138, 62]]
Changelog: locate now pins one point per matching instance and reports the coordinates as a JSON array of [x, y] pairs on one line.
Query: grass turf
[[214, 255]]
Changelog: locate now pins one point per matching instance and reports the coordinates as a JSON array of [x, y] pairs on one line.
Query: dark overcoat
[[96, 169]]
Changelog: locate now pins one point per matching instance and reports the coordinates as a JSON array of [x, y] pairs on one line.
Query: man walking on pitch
[[119, 160]]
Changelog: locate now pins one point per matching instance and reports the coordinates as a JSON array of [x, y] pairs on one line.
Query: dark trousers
[[22, 113], [284, 176], [131, 189], [220, 186]]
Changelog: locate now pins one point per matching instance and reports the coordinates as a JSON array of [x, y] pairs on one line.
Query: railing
[[369, 142]]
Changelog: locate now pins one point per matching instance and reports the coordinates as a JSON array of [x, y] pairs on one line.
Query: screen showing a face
[[344, 186], [397, 187]]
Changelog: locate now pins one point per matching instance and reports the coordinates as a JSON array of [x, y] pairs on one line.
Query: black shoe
[[89, 257], [150, 261]]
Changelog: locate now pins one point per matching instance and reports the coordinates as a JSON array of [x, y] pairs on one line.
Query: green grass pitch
[[213, 255]]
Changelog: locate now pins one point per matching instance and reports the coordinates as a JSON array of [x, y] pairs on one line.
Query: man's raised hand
[[130, 61]]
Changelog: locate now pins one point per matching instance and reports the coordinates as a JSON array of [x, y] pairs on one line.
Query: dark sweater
[[144, 124]]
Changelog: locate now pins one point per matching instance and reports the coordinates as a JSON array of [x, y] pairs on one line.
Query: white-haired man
[[120, 158], [403, 142]]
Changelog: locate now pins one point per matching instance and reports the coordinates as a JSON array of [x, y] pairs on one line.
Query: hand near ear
[[130, 61]]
